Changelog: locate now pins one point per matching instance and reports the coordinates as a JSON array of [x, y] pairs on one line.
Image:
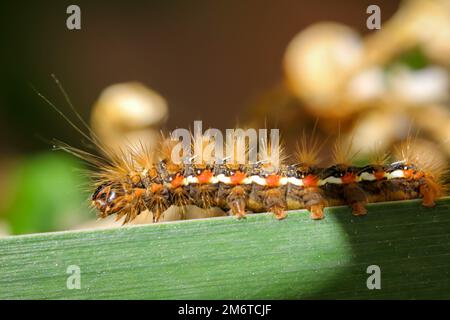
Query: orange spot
[[178, 181], [310, 181], [379, 174], [138, 192], [237, 178], [348, 178], [155, 187], [273, 180], [204, 177], [408, 174]]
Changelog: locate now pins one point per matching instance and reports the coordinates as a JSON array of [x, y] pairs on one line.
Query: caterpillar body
[[133, 184]]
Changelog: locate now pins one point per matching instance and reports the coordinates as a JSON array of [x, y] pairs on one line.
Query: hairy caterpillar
[[131, 181], [135, 183]]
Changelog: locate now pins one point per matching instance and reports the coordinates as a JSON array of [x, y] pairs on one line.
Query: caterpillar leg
[[430, 191], [279, 212], [203, 195], [255, 200], [275, 202], [181, 199], [309, 198], [315, 203], [158, 201], [237, 208], [317, 212], [356, 198], [236, 201], [359, 208]]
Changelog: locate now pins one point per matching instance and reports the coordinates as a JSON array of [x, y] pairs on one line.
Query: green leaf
[[255, 258]]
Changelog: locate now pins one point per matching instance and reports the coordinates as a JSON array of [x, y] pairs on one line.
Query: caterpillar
[[136, 179], [134, 182]]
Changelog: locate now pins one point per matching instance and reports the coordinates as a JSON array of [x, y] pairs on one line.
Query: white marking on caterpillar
[[365, 176], [258, 180], [296, 181], [214, 180], [395, 174], [224, 179], [331, 180], [192, 179]]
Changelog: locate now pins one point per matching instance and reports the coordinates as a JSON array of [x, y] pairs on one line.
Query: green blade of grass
[[255, 258]]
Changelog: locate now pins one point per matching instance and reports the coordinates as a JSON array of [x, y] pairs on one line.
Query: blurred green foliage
[[414, 58], [48, 193]]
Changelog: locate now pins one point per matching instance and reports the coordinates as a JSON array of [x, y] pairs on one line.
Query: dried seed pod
[[128, 113], [318, 62]]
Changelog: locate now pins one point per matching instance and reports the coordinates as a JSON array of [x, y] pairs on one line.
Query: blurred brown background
[[209, 59]]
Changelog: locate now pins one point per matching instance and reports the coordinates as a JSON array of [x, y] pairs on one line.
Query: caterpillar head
[[105, 199]]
